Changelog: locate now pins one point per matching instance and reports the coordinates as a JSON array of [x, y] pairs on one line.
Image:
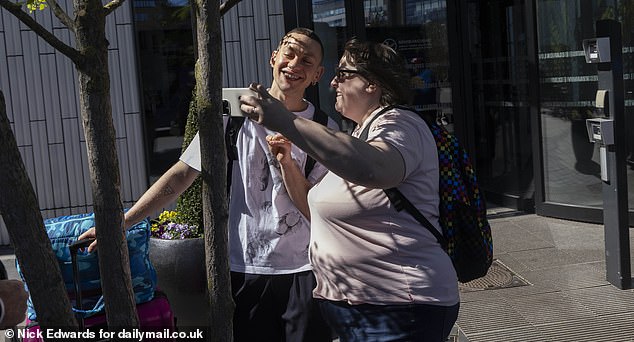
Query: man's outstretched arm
[[163, 192]]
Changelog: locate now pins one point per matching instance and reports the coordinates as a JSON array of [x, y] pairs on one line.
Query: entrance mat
[[498, 277]]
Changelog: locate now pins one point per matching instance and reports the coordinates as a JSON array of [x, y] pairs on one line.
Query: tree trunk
[[21, 214], [94, 98], [215, 216]]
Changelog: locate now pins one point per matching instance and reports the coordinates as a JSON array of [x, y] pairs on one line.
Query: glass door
[[498, 49], [571, 164]]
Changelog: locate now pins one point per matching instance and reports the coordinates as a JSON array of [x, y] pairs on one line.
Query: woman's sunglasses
[[343, 74]]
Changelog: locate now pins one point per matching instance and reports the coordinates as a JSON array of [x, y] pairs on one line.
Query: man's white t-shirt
[[267, 233]]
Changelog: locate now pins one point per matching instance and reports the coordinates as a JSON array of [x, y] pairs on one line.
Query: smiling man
[[271, 276]]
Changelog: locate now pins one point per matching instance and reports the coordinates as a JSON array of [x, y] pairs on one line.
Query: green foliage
[[190, 204], [182, 13], [34, 5]]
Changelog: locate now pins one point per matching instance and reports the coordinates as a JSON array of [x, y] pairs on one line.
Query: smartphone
[[230, 102]]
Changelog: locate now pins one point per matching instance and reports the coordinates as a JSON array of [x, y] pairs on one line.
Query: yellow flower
[[168, 216]]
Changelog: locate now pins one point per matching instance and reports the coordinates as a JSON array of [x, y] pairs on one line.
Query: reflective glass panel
[[417, 30], [166, 59], [499, 74], [568, 85]]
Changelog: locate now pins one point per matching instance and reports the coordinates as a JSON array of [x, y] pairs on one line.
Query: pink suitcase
[[155, 315]]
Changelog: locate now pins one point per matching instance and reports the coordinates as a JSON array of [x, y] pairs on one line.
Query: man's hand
[[90, 233], [280, 147], [14, 298]]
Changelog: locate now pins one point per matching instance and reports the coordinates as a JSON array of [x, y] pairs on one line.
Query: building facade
[[507, 76]]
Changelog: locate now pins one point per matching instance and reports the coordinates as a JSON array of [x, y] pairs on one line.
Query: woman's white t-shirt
[[365, 251]]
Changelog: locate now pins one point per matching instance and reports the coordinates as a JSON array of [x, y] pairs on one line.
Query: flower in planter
[[170, 226]]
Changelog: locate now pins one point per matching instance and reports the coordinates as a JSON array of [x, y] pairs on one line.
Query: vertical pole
[[615, 206]]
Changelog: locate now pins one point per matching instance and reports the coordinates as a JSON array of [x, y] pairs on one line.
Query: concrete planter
[[180, 268]]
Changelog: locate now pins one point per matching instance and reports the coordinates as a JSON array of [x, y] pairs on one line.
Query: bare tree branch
[[227, 5], [61, 14], [113, 5], [27, 20]]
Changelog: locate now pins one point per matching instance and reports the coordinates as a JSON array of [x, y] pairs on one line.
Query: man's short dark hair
[[304, 32]]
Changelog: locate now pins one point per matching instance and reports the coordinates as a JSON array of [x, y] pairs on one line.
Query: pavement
[[548, 283]]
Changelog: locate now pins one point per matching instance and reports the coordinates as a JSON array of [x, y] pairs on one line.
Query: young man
[[271, 277]]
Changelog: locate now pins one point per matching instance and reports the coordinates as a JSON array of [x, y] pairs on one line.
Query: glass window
[[330, 12], [417, 30], [567, 95], [166, 59], [329, 18]]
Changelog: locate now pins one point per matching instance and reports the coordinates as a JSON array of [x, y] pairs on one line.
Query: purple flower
[[167, 226]]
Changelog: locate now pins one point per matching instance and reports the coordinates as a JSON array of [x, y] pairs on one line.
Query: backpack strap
[[364, 134], [400, 202], [321, 118], [396, 197], [231, 139]]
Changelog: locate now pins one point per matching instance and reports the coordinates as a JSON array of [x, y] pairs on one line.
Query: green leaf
[[35, 5]]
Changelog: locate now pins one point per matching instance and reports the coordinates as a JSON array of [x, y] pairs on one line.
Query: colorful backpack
[[466, 231]]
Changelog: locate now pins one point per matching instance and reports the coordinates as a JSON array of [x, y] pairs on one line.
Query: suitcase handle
[[74, 247], [83, 243]]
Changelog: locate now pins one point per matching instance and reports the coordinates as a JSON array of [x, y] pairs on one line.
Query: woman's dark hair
[[381, 65]]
